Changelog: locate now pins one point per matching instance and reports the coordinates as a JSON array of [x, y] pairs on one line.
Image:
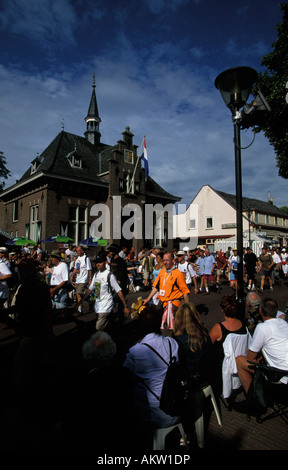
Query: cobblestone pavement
[[237, 432]]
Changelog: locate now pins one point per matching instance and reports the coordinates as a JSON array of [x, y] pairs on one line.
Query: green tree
[[284, 209], [273, 84], [4, 172]]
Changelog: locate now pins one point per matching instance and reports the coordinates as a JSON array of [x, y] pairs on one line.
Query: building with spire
[[74, 177], [92, 119]]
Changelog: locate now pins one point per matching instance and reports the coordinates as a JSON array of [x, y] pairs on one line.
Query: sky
[[155, 64]]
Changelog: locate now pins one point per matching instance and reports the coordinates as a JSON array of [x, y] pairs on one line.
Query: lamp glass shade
[[235, 85]]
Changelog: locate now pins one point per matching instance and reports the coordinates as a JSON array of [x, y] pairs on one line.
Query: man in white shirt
[[59, 281], [270, 339], [186, 268], [102, 285], [83, 272]]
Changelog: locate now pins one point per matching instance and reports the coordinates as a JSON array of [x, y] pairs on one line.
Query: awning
[[276, 234]]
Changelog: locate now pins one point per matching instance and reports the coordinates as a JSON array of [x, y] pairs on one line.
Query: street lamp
[[249, 213], [235, 86]]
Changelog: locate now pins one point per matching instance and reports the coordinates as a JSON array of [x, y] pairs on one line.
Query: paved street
[[237, 432]]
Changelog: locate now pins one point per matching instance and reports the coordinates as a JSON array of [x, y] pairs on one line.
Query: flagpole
[[136, 164]]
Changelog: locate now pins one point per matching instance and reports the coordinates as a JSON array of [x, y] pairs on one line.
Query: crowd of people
[[204, 271], [34, 287]]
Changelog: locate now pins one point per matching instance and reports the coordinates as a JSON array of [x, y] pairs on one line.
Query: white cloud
[[156, 88]]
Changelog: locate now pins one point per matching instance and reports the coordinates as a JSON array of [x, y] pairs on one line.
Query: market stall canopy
[[94, 242], [21, 241], [57, 239]]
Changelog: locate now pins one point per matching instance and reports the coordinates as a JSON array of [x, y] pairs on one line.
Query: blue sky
[[155, 63]]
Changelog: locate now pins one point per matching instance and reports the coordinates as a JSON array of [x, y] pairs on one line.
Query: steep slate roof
[[154, 188], [252, 204], [54, 158], [95, 160]]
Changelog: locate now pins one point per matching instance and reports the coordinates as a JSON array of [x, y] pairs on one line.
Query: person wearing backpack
[[149, 370], [103, 285]]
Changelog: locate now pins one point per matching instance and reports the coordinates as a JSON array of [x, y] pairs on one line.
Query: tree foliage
[[273, 84], [284, 209], [4, 172]]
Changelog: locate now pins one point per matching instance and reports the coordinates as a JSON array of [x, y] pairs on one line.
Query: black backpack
[[175, 388]]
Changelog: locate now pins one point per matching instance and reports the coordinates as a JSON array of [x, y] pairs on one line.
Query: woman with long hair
[[195, 347], [196, 353]]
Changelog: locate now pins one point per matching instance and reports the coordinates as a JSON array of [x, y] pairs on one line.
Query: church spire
[[92, 119]]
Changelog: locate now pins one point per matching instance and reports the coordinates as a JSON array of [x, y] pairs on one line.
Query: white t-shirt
[[4, 290], [60, 273], [104, 297], [187, 270], [82, 266], [276, 258], [271, 337], [234, 260]]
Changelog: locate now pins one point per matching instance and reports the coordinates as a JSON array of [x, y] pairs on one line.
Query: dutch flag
[[145, 160]]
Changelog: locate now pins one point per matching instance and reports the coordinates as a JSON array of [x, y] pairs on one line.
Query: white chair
[[161, 433], [199, 424]]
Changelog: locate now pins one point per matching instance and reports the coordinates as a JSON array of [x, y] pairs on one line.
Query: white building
[[211, 218]]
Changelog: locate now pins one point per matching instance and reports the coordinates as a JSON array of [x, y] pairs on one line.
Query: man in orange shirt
[[171, 287]]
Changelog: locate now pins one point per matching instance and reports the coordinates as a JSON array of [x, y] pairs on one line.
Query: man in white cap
[[186, 268]]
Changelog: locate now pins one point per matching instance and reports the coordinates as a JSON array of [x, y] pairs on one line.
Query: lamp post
[[235, 85], [249, 226]]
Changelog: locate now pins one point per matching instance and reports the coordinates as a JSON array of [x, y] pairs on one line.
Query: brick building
[[61, 190]]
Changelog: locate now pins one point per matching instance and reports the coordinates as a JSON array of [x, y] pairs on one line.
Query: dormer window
[[76, 162], [74, 159], [33, 168], [34, 165]]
